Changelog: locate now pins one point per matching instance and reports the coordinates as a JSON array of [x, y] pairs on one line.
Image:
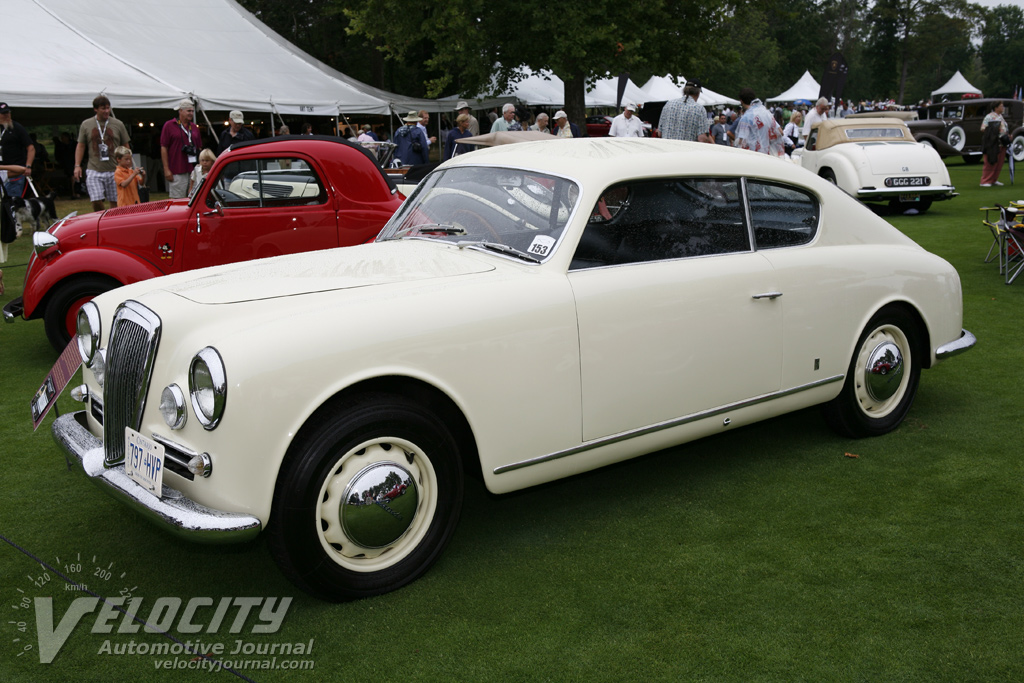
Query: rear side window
[[782, 216], [267, 183]]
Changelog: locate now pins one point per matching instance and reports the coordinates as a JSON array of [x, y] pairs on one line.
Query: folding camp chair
[[996, 248], [1011, 232]]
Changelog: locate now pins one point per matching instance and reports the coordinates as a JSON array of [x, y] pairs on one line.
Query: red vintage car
[[262, 198]]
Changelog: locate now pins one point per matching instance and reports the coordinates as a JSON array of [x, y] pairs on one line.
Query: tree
[[1000, 50], [479, 46]]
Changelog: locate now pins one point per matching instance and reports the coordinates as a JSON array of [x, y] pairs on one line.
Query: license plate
[[906, 181], [909, 197], [144, 461]]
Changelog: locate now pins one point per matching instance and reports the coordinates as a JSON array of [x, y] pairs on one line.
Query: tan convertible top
[[834, 132]]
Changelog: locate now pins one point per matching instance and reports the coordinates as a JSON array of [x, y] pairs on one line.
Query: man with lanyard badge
[[99, 136], [179, 149]]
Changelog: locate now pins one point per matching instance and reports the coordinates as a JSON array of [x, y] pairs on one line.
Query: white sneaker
[[997, 183], [986, 184]]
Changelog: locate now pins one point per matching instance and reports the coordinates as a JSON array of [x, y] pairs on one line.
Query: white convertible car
[[531, 312], [877, 160]]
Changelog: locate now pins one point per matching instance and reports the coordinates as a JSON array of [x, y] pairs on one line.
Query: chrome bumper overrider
[[966, 341], [172, 512]]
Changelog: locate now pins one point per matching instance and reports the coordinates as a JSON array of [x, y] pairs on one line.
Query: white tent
[[663, 89], [957, 85], [151, 53], [605, 93], [805, 89]]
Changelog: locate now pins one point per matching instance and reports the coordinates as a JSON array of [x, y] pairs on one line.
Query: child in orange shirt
[[127, 178]]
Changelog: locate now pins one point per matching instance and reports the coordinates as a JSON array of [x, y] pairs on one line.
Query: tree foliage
[[894, 48]]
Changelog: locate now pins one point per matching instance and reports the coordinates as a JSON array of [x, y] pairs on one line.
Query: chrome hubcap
[[379, 505], [884, 372]]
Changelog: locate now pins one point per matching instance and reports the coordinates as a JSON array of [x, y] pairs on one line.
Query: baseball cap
[[236, 116], [4, 109], [560, 115], [185, 104]]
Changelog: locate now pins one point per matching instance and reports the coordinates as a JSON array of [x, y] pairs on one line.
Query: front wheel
[[61, 315], [367, 499], [882, 378]]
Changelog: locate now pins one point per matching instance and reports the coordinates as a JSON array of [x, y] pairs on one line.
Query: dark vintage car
[[262, 198], [958, 125]]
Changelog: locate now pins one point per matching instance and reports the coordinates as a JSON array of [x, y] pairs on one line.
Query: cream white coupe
[[531, 312], [877, 160]]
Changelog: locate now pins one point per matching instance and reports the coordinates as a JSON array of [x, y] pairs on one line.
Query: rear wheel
[[882, 379], [1017, 148], [367, 499], [60, 317]]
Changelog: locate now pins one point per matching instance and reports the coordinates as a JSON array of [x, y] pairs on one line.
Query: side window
[[663, 219], [782, 216], [280, 181]]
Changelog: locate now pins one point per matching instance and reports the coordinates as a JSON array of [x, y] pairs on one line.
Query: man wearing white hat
[[180, 145], [235, 132], [474, 125], [626, 125], [411, 142]]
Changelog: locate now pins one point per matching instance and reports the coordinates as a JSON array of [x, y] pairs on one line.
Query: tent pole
[[209, 126]]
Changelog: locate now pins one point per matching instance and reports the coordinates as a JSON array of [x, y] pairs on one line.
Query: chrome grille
[[134, 338]]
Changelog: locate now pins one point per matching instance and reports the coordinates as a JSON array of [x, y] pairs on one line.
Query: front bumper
[[950, 349], [14, 309], [172, 512]]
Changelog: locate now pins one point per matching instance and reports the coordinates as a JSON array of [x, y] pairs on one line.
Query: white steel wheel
[[882, 378], [376, 504], [367, 497], [956, 137]]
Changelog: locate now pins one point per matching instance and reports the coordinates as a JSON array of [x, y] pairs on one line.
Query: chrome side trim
[[668, 424], [965, 342], [172, 512]]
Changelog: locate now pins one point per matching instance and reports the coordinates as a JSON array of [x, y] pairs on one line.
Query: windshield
[[508, 211]]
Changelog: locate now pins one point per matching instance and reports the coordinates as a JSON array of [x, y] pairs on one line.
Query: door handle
[[768, 295]]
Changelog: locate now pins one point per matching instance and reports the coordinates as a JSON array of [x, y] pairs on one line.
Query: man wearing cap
[[626, 125], [98, 137], [684, 119], [411, 142], [474, 125], [16, 149], [179, 149], [235, 132], [564, 129]]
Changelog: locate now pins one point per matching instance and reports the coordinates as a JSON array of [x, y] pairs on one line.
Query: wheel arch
[[47, 276], [923, 337], [40, 309], [418, 390]]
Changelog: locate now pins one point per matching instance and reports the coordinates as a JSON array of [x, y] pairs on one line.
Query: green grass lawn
[[778, 551]]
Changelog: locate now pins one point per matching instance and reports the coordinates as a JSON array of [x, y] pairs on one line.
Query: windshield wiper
[[498, 247], [430, 227]]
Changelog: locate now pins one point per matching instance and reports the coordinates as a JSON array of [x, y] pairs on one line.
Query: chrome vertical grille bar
[[134, 338]]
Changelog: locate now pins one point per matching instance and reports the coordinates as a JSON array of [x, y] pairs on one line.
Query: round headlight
[[208, 387], [99, 366], [88, 331], [172, 406]]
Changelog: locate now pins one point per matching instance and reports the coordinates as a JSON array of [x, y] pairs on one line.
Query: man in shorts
[[100, 135]]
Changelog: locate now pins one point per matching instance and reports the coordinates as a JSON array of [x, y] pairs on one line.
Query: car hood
[[888, 159], [400, 261]]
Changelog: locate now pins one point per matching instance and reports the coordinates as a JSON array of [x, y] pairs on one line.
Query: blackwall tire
[[65, 300], [873, 403], [367, 499]]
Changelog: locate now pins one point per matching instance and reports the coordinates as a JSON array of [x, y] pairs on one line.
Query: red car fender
[[48, 273]]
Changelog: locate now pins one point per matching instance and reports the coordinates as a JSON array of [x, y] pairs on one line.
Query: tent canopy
[[804, 89], [663, 89], [151, 53], [957, 85]]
